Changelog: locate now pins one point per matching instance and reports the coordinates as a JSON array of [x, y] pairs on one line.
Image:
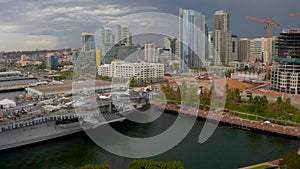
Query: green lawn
[[262, 167], [243, 116]]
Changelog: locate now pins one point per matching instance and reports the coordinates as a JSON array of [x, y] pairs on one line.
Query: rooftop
[[67, 87]]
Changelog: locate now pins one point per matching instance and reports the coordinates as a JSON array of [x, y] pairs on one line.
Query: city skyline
[[57, 24]]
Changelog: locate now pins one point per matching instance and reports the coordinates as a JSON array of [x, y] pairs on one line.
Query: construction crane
[[294, 14], [269, 25]]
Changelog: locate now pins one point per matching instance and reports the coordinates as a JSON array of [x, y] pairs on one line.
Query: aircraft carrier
[[51, 118]]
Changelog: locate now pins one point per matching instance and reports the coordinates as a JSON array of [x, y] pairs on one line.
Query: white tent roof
[[6, 102]]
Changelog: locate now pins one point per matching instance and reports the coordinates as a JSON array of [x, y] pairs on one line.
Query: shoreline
[[229, 120], [273, 163]]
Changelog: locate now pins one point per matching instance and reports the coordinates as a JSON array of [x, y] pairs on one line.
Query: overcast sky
[[31, 24]]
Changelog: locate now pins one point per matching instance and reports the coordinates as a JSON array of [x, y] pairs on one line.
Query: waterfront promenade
[[228, 118], [269, 164]]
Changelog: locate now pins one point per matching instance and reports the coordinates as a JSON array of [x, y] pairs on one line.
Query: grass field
[[262, 167]]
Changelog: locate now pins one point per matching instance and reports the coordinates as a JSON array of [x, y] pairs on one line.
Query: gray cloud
[[62, 21]]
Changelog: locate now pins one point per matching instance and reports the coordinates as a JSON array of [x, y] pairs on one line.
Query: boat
[[55, 121]]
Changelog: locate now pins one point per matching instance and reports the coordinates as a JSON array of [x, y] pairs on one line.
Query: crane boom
[[256, 19], [264, 21], [294, 14], [269, 25]]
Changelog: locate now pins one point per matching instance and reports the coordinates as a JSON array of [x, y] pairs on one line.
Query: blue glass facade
[[193, 39], [54, 62]]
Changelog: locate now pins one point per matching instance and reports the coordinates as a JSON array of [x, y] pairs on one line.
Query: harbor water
[[227, 148]]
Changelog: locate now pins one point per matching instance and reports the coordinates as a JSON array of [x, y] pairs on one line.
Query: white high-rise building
[[259, 49], [177, 50], [150, 52], [192, 35], [124, 36], [222, 37], [211, 45], [108, 38]]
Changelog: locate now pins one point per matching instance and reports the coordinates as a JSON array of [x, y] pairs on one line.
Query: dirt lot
[[242, 86]]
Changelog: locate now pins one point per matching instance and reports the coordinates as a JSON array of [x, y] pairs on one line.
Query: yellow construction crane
[[269, 25], [294, 14]]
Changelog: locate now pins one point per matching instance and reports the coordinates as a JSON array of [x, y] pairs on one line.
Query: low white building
[[142, 72], [258, 77], [6, 103], [105, 70]]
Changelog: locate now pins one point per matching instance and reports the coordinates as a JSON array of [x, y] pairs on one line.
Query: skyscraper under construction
[[285, 75]]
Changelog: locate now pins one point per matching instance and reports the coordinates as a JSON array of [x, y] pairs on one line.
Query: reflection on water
[[227, 148]]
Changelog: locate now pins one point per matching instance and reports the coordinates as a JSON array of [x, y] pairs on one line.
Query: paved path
[[271, 163], [228, 118]]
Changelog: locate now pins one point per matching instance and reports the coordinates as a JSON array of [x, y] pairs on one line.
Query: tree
[[279, 100], [133, 82], [205, 99], [143, 164], [232, 97], [90, 166], [290, 161]]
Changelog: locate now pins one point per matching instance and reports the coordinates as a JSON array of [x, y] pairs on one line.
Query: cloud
[[61, 18], [8, 28], [68, 18], [37, 42], [5, 1]]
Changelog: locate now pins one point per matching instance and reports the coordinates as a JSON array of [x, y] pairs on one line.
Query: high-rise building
[[259, 49], [170, 43], [288, 43], [167, 42], [150, 52], [192, 36], [88, 55], [88, 41], [285, 73], [234, 48], [108, 38], [244, 49], [51, 62], [124, 36], [206, 43], [285, 78], [178, 50], [211, 46], [107, 41], [222, 37], [258, 46]]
